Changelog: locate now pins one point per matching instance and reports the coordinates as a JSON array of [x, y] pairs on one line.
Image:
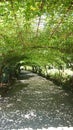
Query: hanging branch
[[62, 50], [39, 20], [49, 47]]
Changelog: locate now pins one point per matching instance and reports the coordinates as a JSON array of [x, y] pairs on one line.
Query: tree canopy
[[39, 32]]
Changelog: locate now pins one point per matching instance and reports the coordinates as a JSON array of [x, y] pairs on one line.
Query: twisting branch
[[12, 5], [62, 19], [20, 36]]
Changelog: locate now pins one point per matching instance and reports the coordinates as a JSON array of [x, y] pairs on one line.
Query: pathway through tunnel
[[35, 102]]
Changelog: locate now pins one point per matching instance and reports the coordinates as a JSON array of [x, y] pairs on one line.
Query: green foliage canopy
[[39, 32]]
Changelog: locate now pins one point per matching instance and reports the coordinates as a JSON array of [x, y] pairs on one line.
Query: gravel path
[[34, 103]]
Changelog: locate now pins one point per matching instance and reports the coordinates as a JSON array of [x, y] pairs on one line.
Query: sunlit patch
[[64, 72], [68, 71], [9, 105], [0, 108], [42, 23], [30, 114]]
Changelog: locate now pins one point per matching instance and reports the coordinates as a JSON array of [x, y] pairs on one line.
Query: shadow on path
[[25, 75], [18, 85]]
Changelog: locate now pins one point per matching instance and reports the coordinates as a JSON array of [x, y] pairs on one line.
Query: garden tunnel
[[40, 33]]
